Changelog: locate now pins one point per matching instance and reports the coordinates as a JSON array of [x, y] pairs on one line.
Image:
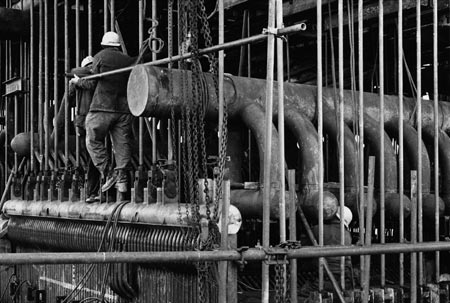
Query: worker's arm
[[86, 84]]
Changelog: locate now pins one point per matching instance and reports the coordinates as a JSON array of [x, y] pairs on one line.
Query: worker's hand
[[74, 80]]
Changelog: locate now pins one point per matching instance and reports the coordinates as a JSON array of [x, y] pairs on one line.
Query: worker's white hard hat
[[348, 216], [110, 39], [86, 61]]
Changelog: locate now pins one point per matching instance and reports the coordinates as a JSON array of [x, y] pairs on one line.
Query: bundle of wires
[[79, 287]]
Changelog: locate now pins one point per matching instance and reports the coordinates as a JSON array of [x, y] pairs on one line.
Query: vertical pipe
[[46, 88], [361, 128], [292, 233], [170, 65], [224, 240], [113, 14], [413, 216], [280, 84], [77, 63], [66, 83], [41, 84], [154, 57], [381, 129], [32, 86], [341, 130], [141, 119], [55, 80], [419, 133], [400, 139], [368, 240], [436, 131], [320, 131], [221, 68], [268, 149], [89, 27], [105, 16], [249, 74]]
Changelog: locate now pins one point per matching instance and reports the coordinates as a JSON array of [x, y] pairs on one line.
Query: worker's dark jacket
[[332, 236], [86, 91], [111, 92]]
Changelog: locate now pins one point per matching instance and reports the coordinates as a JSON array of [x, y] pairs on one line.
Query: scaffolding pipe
[[400, 140], [46, 90], [223, 266], [55, 83], [105, 16], [154, 58], [66, 84], [41, 85], [32, 87], [436, 133], [381, 127], [141, 119], [215, 48], [77, 93], [268, 149], [320, 131], [413, 217], [292, 235], [250, 255], [419, 133]]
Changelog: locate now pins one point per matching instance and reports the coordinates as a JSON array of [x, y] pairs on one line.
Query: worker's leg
[[97, 126], [121, 139]]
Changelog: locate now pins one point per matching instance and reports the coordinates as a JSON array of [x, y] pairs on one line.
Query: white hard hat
[[348, 216], [86, 61], [110, 39]]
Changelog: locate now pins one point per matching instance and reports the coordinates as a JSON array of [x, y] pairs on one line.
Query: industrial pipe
[[148, 95], [156, 213], [250, 255], [410, 145]]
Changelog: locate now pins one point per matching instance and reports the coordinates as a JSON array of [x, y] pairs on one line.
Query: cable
[[6, 287]]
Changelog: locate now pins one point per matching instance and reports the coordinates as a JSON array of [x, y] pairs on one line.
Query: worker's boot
[[111, 179], [122, 181]]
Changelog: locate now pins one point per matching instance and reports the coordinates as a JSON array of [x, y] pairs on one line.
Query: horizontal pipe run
[[253, 254], [215, 48]]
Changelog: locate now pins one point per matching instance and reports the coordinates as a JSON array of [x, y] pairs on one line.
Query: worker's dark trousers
[[98, 126]]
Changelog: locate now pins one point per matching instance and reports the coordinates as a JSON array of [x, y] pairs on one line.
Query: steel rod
[[292, 233], [368, 240], [419, 133], [224, 237], [105, 16], [250, 255], [361, 130], [413, 217], [280, 84], [141, 119], [268, 149], [170, 66], [77, 63], [154, 58], [89, 10], [32, 86], [46, 89], [320, 131], [436, 132], [113, 14], [341, 132], [55, 82], [41, 84], [381, 130], [285, 31], [400, 141], [66, 84]]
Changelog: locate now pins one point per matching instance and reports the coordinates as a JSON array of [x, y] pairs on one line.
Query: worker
[[86, 90], [109, 114], [332, 236]]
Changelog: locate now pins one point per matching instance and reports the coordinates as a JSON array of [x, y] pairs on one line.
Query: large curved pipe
[[372, 136], [249, 202], [410, 142], [307, 138], [148, 95], [444, 163]]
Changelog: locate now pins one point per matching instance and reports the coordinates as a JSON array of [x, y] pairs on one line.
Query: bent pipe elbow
[[444, 163], [392, 198]]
